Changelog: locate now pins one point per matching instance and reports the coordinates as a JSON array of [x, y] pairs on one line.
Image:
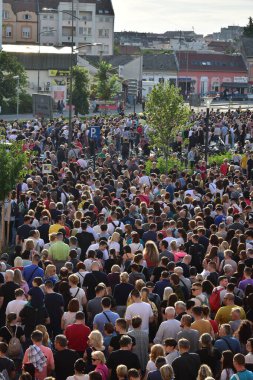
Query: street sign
[[94, 132]]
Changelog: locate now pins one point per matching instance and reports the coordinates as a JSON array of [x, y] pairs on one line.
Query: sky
[[158, 16]]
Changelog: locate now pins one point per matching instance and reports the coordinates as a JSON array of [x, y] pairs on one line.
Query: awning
[[234, 85]]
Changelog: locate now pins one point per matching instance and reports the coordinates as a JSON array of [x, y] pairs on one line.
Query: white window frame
[[8, 33], [26, 33]]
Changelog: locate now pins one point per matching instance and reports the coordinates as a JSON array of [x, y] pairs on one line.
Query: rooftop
[[159, 62], [199, 61]]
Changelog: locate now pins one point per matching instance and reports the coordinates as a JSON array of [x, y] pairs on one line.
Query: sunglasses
[[94, 359], [193, 290]]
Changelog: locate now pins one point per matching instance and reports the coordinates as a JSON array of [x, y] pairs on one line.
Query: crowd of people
[[113, 273]]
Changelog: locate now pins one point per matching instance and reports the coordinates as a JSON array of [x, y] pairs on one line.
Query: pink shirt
[[50, 362], [103, 370]]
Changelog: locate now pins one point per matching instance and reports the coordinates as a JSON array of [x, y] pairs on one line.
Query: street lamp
[[45, 32], [17, 78], [208, 102]]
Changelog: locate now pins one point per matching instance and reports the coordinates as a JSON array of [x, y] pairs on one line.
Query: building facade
[[49, 22], [201, 73]]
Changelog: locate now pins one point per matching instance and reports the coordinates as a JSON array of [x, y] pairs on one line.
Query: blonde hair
[[204, 372], [29, 245], [52, 237], [97, 339], [167, 292], [166, 372], [17, 278], [115, 237], [121, 370], [18, 262], [99, 355], [173, 245], [151, 252], [115, 268], [50, 270], [45, 339], [124, 277], [74, 279], [156, 350]]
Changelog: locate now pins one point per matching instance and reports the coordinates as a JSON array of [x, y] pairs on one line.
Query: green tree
[[107, 84], [12, 169], [248, 30], [81, 90], [167, 115], [10, 67]]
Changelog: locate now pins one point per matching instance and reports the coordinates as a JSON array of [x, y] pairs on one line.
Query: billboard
[[42, 105]]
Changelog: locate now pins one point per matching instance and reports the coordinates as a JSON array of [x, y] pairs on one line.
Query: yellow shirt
[[244, 162], [202, 326], [223, 315], [54, 228]]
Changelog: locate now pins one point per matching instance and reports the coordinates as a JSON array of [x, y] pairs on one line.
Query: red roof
[[198, 61]]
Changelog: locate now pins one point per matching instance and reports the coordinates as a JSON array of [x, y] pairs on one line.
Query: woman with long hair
[[152, 325], [156, 350], [96, 343], [204, 372], [151, 255], [208, 354], [227, 367], [50, 274], [18, 279], [113, 242], [167, 372], [69, 317], [80, 370], [136, 244], [45, 340], [98, 359], [244, 331]]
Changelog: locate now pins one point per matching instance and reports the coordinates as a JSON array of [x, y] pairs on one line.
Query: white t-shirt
[[80, 295], [15, 306], [142, 309], [68, 318]]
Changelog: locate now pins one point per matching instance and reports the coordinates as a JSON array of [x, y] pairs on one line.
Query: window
[[106, 49], [104, 33], [27, 17], [26, 32], [44, 17], [51, 17], [85, 31], [6, 15], [8, 31]]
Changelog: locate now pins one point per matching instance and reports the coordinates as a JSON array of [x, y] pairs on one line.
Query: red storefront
[[201, 73]]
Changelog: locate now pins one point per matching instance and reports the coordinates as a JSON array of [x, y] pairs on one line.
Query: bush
[[161, 164], [9, 107], [219, 158]]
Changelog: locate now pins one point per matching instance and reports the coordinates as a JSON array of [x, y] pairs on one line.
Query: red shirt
[[77, 335]]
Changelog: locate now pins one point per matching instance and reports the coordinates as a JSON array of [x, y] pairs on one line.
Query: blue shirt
[[105, 317], [32, 271], [228, 343], [243, 375]]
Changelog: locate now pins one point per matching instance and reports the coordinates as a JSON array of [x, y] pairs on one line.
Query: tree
[[80, 95], [107, 84], [167, 115], [10, 67], [12, 169], [248, 30]]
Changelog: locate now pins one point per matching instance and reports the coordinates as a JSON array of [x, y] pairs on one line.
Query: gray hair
[[170, 310], [180, 304]]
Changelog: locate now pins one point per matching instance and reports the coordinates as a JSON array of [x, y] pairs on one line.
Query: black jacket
[[186, 366]]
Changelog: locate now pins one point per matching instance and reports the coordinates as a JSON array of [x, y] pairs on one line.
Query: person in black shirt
[[187, 364], [55, 306], [6, 364], [121, 329], [64, 358], [91, 280], [85, 239], [44, 229], [123, 356], [7, 293], [196, 251], [23, 231]]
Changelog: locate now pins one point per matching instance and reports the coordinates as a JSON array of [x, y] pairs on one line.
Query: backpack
[[214, 300], [14, 347], [14, 209]]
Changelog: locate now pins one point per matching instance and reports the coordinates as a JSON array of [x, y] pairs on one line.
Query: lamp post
[[45, 32], [17, 78], [208, 102]]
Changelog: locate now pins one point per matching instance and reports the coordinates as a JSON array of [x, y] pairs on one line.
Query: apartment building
[[49, 22]]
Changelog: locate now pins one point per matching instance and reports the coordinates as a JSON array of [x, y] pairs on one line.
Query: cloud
[[161, 15]]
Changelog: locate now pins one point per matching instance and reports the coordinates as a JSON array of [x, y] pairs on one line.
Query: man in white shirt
[[115, 223], [169, 328], [102, 246], [140, 308], [82, 162], [144, 180], [18, 304]]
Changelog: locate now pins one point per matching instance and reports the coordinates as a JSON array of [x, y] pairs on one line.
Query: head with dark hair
[[227, 359], [244, 331], [95, 376], [106, 302]]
